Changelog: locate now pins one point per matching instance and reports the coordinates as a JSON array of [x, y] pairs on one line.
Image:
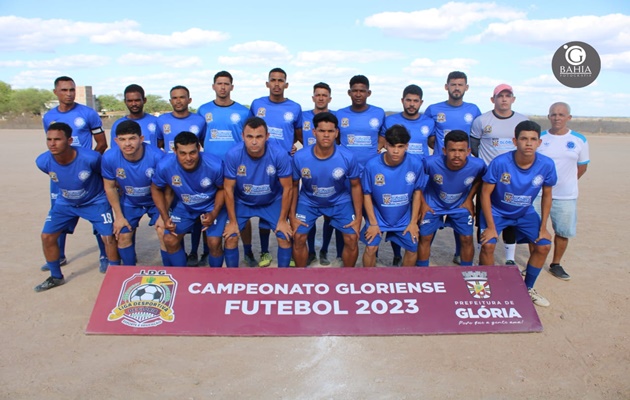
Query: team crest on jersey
[[247, 188], [149, 172], [261, 112], [79, 122], [120, 173], [194, 129], [537, 181], [151, 127], [205, 182], [271, 170], [439, 179], [375, 123], [570, 145], [468, 181], [345, 122], [487, 129], [495, 142], [410, 177], [166, 128], [84, 175], [306, 126], [235, 118], [477, 283], [506, 178], [350, 139], [468, 118], [208, 117], [176, 180], [338, 173], [241, 170], [145, 300], [387, 199], [53, 176], [424, 130], [441, 117], [306, 173], [288, 116], [379, 179]]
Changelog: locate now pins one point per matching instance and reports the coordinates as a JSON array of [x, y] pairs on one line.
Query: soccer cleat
[[397, 262], [292, 262], [510, 262], [323, 258], [191, 260], [265, 260], [62, 261], [203, 260], [250, 260], [103, 264], [49, 283], [559, 272], [339, 261], [538, 299], [457, 259], [310, 259]]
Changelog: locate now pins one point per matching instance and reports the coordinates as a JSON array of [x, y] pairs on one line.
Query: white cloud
[[616, 62], [193, 37], [152, 59], [257, 53], [311, 58], [69, 62], [425, 67], [439, 23]]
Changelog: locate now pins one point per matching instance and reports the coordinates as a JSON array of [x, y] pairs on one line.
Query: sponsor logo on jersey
[[79, 122], [424, 130], [410, 177], [375, 123], [338, 173], [166, 128], [439, 179], [468, 181], [379, 179], [120, 173], [235, 118], [537, 181], [205, 182], [271, 170], [570, 145], [176, 180], [477, 283], [288, 116], [387, 198], [241, 170], [506, 178], [214, 133], [345, 122], [247, 188], [441, 117], [468, 118], [261, 112], [145, 300], [84, 175], [306, 173], [495, 142], [208, 117], [350, 139], [194, 129], [53, 176], [149, 172]]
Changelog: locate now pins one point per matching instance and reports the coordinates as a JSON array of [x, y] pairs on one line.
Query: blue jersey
[[282, 119], [448, 118], [194, 189], [83, 120], [307, 127], [257, 180], [359, 131], [325, 182], [419, 129], [79, 183], [224, 127], [169, 126], [516, 188], [392, 189], [446, 189], [148, 126], [133, 177]]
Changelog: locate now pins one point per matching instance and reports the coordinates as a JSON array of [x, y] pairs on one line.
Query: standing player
[[491, 134], [510, 185], [454, 179], [331, 186], [224, 126], [569, 151], [451, 114], [77, 173], [169, 126], [392, 192], [130, 167], [85, 124], [257, 184], [284, 121], [196, 179], [135, 101]]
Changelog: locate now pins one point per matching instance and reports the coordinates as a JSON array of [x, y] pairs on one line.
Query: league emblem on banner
[[477, 282], [145, 300]]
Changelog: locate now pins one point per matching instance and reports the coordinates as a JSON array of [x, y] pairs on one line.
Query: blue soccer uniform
[[169, 126], [148, 127], [359, 131], [448, 118], [282, 119], [224, 126], [419, 129], [83, 120]]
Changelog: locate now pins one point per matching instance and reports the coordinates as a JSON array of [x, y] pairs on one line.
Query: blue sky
[[160, 44]]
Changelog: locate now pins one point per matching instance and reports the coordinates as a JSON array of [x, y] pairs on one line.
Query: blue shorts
[[527, 227], [563, 216], [268, 215], [62, 218], [54, 193], [184, 221], [133, 214], [459, 219], [340, 215], [404, 241]]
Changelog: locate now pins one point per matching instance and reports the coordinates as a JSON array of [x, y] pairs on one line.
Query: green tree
[[30, 101], [156, 103], [110, 103], [5, 97]]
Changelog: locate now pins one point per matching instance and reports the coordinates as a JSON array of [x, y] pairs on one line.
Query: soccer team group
[[209, 173]]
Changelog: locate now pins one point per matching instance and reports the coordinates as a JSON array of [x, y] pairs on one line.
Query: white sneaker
[[538, 299]]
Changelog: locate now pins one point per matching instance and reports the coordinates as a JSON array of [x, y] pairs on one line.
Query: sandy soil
[[583, 353]]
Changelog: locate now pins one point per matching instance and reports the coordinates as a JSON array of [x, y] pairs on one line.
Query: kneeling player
[[392, 191], [454, 177]]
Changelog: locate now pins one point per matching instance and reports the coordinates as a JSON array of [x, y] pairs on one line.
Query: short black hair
[[180, 87], [457, 75], [128, 127], [359, 79], [63, 79], [413, 89], [526, 125], [183, 138], [278, 69], [456, 135], [223, 74], [61, 126], [325, 117], [322, 85], [397, 134], [133, 88], [255, 122]]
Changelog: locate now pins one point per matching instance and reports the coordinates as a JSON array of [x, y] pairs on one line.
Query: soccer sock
[[206, 249], [327, 235], [422, 263], [284, 257], [178, 259], [166, 261], [510, 251], [231, 258], [101, 246], [264, 240], [128, 255], [61, 241], [111, 262], [466, 263], [215, 262], [310, 239], [195, 238], [531, 274], [55, 269], [396, 250], [458, 243], [339, 242], [247, 250]]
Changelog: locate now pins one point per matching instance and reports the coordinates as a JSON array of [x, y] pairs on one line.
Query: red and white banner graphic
[[312, 301]]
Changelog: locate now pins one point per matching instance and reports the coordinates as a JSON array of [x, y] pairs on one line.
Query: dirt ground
[[583, 352]]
